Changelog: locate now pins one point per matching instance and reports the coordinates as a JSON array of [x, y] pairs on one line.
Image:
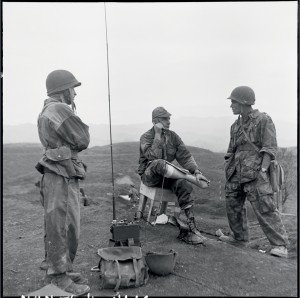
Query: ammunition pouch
[[59, 154], [68, 160], [62, 155]]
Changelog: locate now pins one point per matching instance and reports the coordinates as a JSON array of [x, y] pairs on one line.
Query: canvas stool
[[157, 194]]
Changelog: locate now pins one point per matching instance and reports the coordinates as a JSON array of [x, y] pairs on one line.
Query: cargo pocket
[[265, 194], [232, 188], [249, 188], [250, 168]]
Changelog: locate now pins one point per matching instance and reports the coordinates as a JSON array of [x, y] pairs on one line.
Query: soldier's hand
[[158, 128], [202, 177]]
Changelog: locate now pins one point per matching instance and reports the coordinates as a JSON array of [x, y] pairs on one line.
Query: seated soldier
[[159, 146]]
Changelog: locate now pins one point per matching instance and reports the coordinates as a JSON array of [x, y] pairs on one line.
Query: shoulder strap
[[248, 139]]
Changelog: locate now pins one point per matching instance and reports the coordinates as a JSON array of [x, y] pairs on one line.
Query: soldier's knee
[[233, 203], [157, 166], [158, 162], [183, 184]]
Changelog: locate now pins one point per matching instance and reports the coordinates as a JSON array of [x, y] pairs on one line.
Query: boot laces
[[192, 225]]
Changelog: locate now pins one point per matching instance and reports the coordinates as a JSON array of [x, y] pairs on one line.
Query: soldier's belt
[[60, 153], [245, 147]]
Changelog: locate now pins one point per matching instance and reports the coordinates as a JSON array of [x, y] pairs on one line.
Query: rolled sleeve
[[268, 137]]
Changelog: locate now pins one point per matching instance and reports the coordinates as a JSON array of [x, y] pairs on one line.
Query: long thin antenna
[[111, 151]]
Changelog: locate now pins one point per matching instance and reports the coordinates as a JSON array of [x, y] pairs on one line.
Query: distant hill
[[19, 162], [210, 133]]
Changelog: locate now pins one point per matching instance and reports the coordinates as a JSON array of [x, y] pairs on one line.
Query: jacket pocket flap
[[58, 154]]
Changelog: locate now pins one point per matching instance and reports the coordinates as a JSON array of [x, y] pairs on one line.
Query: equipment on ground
[[123, 232], [121, 267], [161, 263]]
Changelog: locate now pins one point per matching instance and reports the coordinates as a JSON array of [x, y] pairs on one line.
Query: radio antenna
[[111, 151]]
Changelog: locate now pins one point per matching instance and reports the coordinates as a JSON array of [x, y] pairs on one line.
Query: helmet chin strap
[[72, 101], [242, 109], [68, 99]]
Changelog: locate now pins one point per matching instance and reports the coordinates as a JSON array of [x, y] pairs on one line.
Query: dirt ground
[[217, 269]]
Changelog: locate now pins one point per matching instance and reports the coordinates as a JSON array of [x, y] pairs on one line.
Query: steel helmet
[[161, 263], [243, 95], [59, 80]]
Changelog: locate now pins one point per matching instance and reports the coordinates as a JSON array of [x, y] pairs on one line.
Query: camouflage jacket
[[241, 156], [62, 135], [169, 148]]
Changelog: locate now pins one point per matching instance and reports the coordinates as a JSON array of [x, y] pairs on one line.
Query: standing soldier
[[252, 146], [62, 135]]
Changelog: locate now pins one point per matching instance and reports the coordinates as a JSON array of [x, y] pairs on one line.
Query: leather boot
[[191, 235], [65, 283], [189, 212]]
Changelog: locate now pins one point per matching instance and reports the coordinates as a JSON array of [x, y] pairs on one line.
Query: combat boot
[[190, 234], [77, 278], [65, 283], [231, 240], [182, 234], [189, 212], [191, 238], [279, 251]]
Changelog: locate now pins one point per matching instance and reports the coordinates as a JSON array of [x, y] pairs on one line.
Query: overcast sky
[[186, 57]]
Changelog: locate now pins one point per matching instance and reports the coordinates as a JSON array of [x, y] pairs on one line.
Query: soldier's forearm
[[266, 161]]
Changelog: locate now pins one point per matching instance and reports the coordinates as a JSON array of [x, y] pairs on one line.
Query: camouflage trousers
[[260, 194], [154, 177], [60, 199]]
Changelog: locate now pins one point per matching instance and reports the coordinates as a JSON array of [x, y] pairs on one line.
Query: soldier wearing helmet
[[158, 146], [252, 146], [62, 135]]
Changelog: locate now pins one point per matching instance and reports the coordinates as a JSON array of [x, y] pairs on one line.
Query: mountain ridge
[[208, 133]]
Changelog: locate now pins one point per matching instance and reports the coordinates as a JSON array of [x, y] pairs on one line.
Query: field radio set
[[125, 233]]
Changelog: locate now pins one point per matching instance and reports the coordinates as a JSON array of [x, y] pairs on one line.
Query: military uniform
[[153, 154], [62, 135], [245, 180]]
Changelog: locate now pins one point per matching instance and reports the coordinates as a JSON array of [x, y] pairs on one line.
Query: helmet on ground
[[161, 263], [243, 95], [160, 112], [59, 80]]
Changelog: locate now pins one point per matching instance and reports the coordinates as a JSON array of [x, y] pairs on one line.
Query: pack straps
[[136, 271], [248, 139]]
